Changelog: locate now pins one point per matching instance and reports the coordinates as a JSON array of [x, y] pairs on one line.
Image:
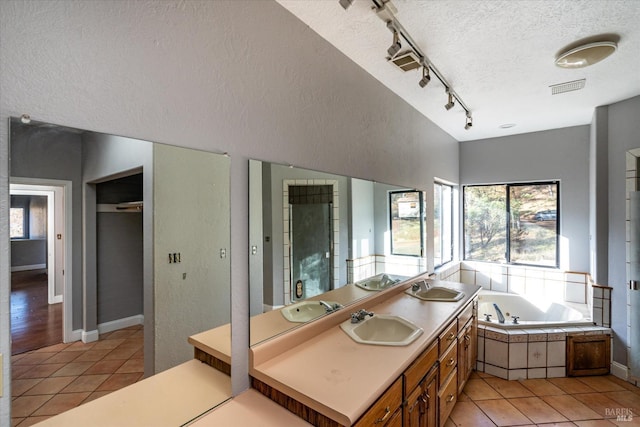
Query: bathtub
[[531, 313]]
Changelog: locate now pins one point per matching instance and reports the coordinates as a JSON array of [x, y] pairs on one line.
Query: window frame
[[507, 212], [451, 222], [421, 219]]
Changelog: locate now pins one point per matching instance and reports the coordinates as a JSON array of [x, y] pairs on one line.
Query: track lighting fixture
[[449, 105], [396, 46], [425, 76], [469, 122], [345, 3]]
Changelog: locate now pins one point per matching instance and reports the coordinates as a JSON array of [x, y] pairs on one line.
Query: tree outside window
[[406, 216]]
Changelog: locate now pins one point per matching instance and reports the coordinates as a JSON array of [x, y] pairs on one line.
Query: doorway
[[311, 235], [37, 264]]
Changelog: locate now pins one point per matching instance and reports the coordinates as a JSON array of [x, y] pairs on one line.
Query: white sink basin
[[382, 329], [436, 293], [305, 311], [376, 283]]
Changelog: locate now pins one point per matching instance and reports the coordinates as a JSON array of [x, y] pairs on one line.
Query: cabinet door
[[384, 409], [421, 407], [396, 419]]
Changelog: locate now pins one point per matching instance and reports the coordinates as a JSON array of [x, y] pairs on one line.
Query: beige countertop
[[250, 409], [340, 378], [170, 398], [217, 341]]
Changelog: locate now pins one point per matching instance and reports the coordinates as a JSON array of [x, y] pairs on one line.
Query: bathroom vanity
[[319, 373]]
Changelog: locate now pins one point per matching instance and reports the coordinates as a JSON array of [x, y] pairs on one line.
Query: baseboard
[[266, 307], [76, 335], [114, 325], [28, 267], [56, 299], [90, 336], [619, 370]]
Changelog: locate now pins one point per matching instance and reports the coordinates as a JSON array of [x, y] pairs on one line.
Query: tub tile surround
[[527, 353]]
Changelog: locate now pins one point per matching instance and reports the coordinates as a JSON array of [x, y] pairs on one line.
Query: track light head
[[449, 105], [425, 77], [345, 3], [396, 46], [469, 122]]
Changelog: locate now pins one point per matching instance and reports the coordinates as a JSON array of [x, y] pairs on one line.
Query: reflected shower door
[[311, 249]]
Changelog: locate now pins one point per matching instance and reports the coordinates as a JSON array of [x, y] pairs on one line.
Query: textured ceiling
[[498, 56]]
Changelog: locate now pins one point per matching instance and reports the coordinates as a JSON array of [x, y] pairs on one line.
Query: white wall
[[555, 154], [243, 77]]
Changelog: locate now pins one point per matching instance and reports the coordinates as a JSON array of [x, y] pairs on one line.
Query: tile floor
[[53, 379], [488, 401]]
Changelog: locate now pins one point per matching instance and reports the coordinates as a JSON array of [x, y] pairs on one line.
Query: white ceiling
[[497, 55]]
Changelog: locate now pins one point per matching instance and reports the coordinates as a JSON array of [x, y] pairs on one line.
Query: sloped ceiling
[[498, 56]]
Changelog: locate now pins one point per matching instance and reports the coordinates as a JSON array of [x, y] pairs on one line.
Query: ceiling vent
[[567, 87], [406, 61]]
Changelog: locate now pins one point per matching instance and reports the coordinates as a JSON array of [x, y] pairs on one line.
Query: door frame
[[63, 188]]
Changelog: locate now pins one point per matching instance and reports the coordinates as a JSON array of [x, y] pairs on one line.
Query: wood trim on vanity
[[300, 409], [212, 361]]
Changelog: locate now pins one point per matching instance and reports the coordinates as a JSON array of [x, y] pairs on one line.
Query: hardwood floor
[[34, 322]]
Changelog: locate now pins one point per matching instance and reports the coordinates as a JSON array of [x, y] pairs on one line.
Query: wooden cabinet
[[447, 398], [386, 410], [421, 407], [467, 344]]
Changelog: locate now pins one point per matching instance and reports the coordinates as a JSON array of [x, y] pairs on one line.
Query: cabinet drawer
[[384, 408], [448, 362], [448, 336], [447, 398], [464, 317], [420, 367]]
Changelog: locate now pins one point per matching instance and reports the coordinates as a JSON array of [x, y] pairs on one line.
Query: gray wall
[[150, 70], [623, 135], [120, 266], [555, 154], [28, 252]]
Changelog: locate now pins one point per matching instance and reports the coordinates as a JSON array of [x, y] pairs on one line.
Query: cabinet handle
[[451, 362], [386, 415], [451, 336], [450, 398]]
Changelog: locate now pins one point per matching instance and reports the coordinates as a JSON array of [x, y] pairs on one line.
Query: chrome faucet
[[359, 315], [330, 308], [420, 286], [499, 313], [515, 319]]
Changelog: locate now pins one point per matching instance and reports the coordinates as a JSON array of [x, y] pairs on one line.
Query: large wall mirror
[[128, 232], [321, 241]]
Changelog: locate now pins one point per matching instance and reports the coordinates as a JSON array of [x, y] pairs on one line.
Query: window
[[17, 229], [406, 214], [442, 224], [512, 223]]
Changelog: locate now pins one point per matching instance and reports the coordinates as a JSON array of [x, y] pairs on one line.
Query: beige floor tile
[[537, 410], [626, 399], [85, 383], [132, 366], [479, 389], [95, 395], [80, 346], [93, 355], [34, 358], [30, 421], [107, 344], [600, 403], [64, 357], [72, 369], [105, 367], [594, 423], [600, 384], [541, 387], [118, 381], [18, 387], [41, 371], [565, 424], [16, 421], [571, 408], [121, 353], [60, 403], [571, 385], [625, 384], [468, 414], [503, 413], [508, 389], [24, 406], [51, 385], [55, 348]]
